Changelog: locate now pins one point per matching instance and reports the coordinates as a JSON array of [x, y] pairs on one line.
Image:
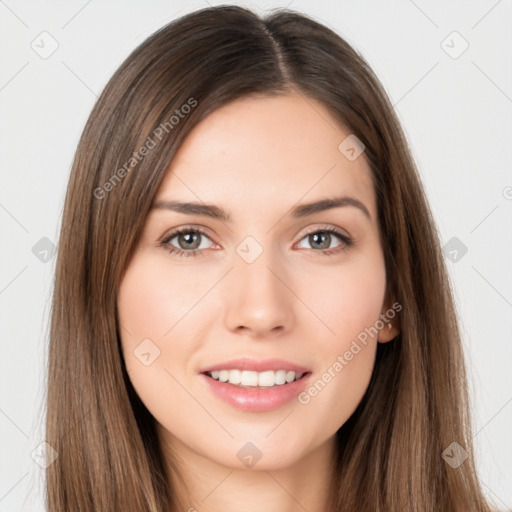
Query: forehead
[[261, 152]]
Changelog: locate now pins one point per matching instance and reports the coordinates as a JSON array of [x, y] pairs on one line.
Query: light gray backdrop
[[447, 69]]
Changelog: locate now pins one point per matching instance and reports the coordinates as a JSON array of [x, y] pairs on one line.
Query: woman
[[265, 370]]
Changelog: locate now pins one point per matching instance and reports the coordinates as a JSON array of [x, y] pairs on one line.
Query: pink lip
[[245, 363], [256, 399]]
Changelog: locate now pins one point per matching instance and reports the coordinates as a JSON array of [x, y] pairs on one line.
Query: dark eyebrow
[[300, 211], [326, 204]]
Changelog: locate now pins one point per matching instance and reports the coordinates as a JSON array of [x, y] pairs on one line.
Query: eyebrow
[[302, 210]]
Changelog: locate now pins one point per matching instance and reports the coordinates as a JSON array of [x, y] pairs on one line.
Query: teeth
[[235, 376], [260, 379]]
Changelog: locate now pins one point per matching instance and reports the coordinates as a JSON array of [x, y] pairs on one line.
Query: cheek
[[148, 309], [347, 301], [333, 396], [152, 308], [152, 300], [349, 304]]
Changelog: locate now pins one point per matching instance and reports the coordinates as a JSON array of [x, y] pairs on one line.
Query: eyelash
[[164, 243]]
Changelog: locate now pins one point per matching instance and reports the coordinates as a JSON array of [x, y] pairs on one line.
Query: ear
[[390, 319]]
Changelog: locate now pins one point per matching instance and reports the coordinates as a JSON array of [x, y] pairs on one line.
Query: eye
[[189, 238], [322, 238], [189, 241]]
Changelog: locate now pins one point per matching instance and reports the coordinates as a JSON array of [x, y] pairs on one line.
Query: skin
[[257, 158]]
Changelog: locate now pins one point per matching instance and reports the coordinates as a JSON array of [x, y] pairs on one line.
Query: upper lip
[[256, 365]]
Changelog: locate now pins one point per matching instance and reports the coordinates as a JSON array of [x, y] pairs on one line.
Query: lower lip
[[256, 399]]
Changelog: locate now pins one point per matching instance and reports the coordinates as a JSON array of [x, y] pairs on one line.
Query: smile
[[252, 379]]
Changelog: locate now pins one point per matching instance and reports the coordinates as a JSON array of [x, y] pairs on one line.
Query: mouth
[[246, 372], [256, 380], [254, 385]]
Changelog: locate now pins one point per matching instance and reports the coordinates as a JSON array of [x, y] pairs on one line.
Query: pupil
[[326, 236], [189, 239]]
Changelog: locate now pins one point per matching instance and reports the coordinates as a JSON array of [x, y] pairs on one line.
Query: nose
[[259, 301]]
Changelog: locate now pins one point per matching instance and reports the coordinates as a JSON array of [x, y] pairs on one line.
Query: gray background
[[456, 110]]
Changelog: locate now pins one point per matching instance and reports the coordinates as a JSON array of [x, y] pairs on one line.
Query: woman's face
[[269, 287]]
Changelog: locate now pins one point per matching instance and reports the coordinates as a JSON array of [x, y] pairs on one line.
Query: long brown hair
[[389, 453]]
